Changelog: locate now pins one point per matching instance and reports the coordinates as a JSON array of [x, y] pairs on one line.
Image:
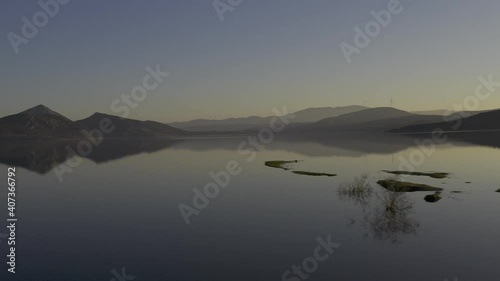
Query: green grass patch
[[400, 186], [432, 175], [280, 164], [314, 174]]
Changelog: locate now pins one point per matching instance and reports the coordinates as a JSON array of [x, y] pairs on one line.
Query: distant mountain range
[[368, 119], [485, 121], [304, 116], [41, 122]]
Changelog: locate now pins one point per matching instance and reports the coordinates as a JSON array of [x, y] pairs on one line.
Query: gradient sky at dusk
[[265, 54]]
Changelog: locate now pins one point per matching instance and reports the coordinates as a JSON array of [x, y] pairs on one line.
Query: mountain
[[130, 128], [310, 115], [39, 122], [486, 121], [373, 119], [442, 112], [253, 122]]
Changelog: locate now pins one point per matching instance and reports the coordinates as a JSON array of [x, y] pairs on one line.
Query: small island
[[279, 164], [432, 175], [314, 174], [433, 198], [399, 186]]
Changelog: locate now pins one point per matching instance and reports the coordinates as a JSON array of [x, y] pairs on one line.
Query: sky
[[263, 54]]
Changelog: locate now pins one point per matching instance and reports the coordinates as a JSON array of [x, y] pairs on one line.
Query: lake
[[120, 209]]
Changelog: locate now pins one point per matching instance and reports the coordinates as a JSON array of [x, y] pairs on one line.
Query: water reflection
[[387, 215], [42, 156], [359, 191], [391, 218]]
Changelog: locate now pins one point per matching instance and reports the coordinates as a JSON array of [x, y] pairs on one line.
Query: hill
[[39, 122], [486, 121], [124, 127], [373, 119]]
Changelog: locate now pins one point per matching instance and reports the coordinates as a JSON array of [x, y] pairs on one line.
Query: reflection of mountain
[[37, 156], [43, 156], [326, 145], [489, 139], [338, 144], [113, 149]]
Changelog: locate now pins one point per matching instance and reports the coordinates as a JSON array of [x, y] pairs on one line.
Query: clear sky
[[264, 54]]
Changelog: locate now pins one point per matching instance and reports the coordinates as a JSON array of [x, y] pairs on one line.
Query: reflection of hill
[[36, 156], [489, 139], [43, 156], [354, 145], [113, 149], [337, 144]]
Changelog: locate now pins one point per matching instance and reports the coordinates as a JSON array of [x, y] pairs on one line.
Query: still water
[[120, 209]]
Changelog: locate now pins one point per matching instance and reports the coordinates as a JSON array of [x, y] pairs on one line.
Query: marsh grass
[[359, 190]]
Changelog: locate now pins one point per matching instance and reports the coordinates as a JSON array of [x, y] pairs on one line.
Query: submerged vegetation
[[432, 175], [280, 164], [305, 173], [400, 186], [358, 190], [392, 218]]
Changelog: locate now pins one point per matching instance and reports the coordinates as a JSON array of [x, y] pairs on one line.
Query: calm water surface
[[119, 208]]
